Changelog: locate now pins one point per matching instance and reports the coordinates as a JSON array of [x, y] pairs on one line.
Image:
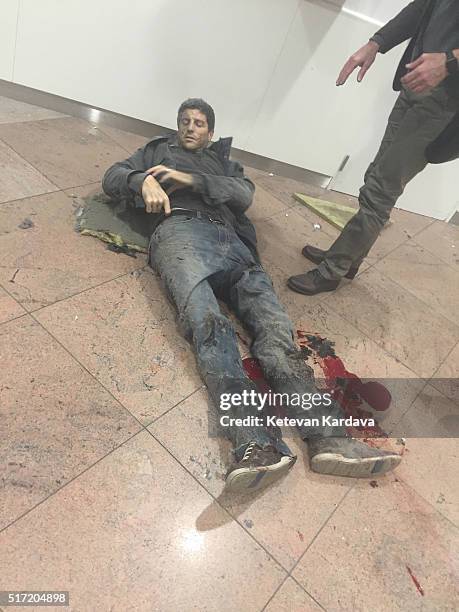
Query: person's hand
[[428, 71], [178, 180], [154, 196], [364, 58]]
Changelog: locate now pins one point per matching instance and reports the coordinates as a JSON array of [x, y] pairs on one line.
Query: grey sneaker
[[348, 457], [257, 469]]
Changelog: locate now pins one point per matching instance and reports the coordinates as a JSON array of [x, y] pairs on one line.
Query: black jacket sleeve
[[126, 178], [235, 190], [402, 27]]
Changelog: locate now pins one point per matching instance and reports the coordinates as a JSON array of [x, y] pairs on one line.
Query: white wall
[[143, 57], [305, 119], [373, 10], [267, 66], [8, 20]]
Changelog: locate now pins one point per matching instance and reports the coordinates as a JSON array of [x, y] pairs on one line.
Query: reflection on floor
[[111, 486]]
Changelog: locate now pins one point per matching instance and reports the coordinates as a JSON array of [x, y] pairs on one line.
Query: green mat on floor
[[116, 222], [336, 214]]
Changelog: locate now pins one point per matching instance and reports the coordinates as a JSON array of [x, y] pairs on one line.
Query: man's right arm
[[125, 179], [402, 27], [128, 178]]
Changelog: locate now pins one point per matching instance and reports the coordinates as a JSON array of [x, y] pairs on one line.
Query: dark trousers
[[199, 260], [415, 121]]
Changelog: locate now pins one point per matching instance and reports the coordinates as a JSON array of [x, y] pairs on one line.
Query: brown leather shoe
[[317, 256], [311, 283]]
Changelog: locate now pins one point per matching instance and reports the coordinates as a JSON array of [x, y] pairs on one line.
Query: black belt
[[195, 214]]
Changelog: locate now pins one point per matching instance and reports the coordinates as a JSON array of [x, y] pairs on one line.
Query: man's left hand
[[180, 180], [428, 71]]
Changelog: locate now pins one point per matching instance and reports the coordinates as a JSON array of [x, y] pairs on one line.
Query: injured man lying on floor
[[204, 249]]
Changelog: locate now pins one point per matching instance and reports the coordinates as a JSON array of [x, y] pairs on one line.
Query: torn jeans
[[199, 261]]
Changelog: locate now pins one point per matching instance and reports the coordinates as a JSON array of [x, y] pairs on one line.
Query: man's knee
[[376, 201], [284, 363], [276, 340], [203, 325]]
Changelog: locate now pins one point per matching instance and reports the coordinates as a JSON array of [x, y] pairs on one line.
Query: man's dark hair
[[202, 107]]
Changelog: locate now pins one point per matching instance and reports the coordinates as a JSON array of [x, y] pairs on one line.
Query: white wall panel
[[305, 119], [143, 57], [371, 9], [8, 19]]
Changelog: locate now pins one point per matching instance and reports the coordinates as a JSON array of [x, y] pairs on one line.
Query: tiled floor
[[111, 487]]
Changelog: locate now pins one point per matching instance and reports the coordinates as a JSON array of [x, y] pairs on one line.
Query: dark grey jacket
[[230, 194], [411, 23]]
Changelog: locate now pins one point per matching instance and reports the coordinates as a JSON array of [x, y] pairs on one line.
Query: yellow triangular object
[[336, 214]]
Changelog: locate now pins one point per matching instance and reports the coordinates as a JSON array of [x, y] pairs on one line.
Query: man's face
[[193, 130]]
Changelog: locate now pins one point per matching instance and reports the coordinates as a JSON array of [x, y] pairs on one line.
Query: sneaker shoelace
[[248, 451]]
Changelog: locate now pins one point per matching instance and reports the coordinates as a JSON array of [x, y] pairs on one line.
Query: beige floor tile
[[430, 466], [425, 276], [294, 303], [56, 420], [129, 534], [300, 503], [78, 193], [316, 223], [69, 151], [282, 237], [292, 598], [9, 308], [284, 188], [129, 141], [446, 379], [50, 261], [363, 357], [124, 333], [441, 239], [432, 415], [189, 431], [409, 221], [254, 173], [401, 227], [18, 179], [264, 205], [13, 111], [362, 559], [396, 320], [279, 186]]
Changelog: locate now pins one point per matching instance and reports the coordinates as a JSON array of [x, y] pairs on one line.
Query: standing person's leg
[[330, 450], [415, 121], [261, 455]]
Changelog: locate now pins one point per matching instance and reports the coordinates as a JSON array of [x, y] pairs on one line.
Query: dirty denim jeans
[[415, 121], [198, 261]]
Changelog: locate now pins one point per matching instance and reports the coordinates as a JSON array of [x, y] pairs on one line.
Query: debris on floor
[[415, 580], [26, 224]]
